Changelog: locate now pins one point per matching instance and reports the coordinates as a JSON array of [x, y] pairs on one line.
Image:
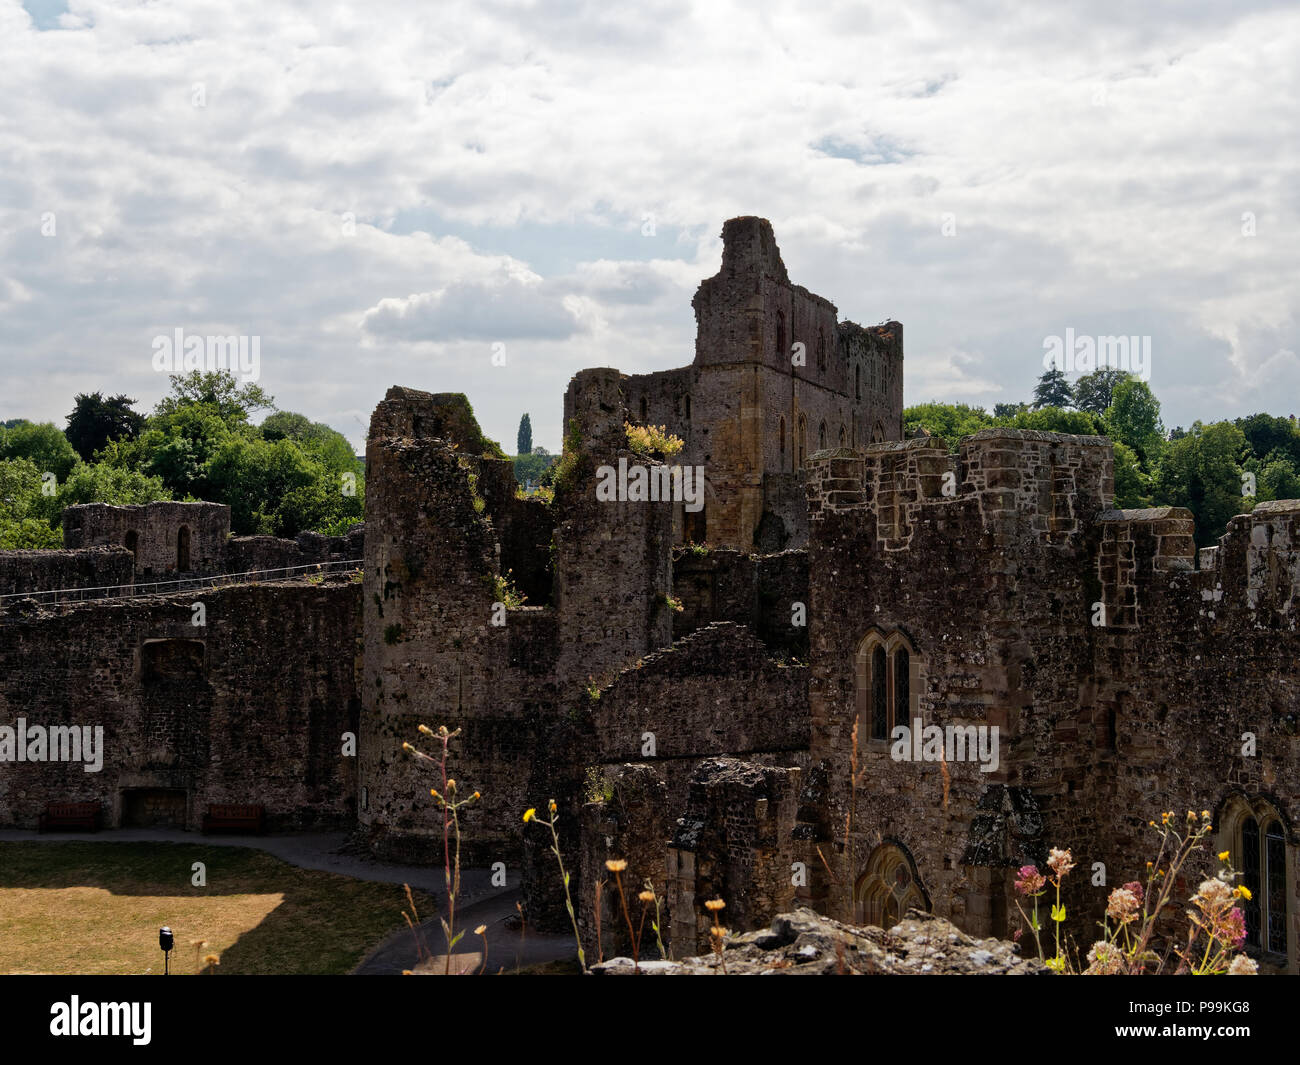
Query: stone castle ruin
[[714, 696]]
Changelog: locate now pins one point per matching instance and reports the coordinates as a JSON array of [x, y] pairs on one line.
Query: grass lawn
[[95, 908]]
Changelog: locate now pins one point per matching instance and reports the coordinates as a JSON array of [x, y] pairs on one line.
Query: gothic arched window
[[886, 695], [1254, 834], [887, 888]]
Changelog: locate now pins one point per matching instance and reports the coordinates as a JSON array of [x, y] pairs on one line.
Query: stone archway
[[888, 888]]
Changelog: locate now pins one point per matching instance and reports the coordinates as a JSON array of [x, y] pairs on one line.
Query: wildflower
[[529, 814], [1243, 966], [426, 730], [1205, 815], [1060, 861], [476, 795], [408, 748], [1241, 891], [1104, 959], [211, 959], [1234, 927], [451, 786], [647, 897], [616, 865], [1029, 881], [1164, 818], [480, 930], [1122, 905], [1213, 895], [551, 806], [1223, 855], [434, 793], [715, 904]]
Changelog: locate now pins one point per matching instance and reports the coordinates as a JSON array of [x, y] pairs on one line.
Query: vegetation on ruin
[[1137, 913], [90, 908], [565, 472], [654, 441], [1215, 469], [505, 591]]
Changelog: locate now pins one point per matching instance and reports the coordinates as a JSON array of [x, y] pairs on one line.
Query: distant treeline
[[281, 477], [1215, 470]]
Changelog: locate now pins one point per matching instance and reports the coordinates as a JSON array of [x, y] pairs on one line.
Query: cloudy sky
[[389, 193]]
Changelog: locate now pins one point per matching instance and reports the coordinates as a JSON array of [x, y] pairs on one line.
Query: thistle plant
[[530, 815], [451, 807]]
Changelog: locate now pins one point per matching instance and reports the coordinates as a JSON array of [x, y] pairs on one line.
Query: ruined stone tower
[[775, 377]]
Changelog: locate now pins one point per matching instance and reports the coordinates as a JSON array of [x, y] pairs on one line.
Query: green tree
[[218, 390], [1093, 391], [1134, 419], [1057, 420], [1201, 472], [44, 445], [1266, 434], [1053, 390], [23, 525], [1132, 485], [329, 446], [525, 439], [950, 421], [1004, 412], [95, 421]]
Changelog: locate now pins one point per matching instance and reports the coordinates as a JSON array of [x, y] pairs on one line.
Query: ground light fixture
[[166, 940]]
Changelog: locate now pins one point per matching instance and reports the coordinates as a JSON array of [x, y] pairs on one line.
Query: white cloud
[[1097, 159]]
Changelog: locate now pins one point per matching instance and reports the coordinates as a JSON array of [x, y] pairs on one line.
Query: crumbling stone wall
[[768, 593], [1121, 680], [732, 843], [168, 537], [433, 654], [90, 567], [250, 707]]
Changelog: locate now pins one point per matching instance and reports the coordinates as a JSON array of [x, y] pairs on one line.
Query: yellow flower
[[476, 795], [211, 959], [426, 730], [480, 930], [551, 806], [616, 865], [529, 814], [451, 786], [715, 905], [647, 897], [1205, 815], [408, 748], [1223, 855], [1164, 818], [1242, 892], [434, 794]]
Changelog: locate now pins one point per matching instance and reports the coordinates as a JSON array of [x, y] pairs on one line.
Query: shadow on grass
[[85, 907]]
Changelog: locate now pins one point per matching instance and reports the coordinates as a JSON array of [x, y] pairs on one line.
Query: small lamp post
[[166, 941]]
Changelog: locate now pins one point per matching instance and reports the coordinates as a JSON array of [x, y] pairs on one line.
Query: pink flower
[[1136, 888], [1029, 881], [1235, 927]]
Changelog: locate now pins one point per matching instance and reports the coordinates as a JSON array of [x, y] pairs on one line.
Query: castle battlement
[[1049, 484]]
